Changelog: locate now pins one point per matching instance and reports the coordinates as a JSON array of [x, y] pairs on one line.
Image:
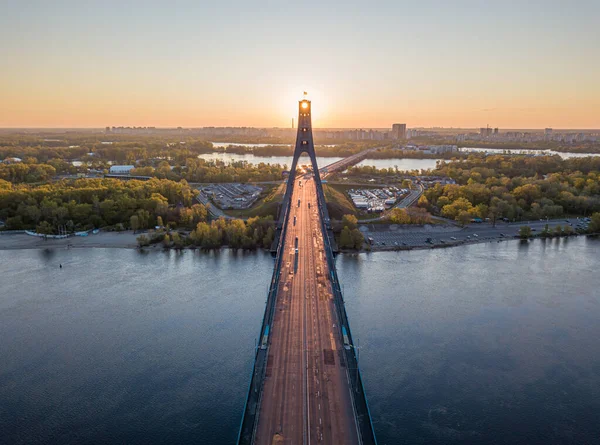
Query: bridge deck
[[306, 396]]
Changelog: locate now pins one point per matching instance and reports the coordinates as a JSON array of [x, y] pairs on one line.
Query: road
[[417, 236], [306, 396], [344, 163], [405, 202], [411, 198]]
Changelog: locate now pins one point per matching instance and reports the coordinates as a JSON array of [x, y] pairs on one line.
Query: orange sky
[[76, 66]]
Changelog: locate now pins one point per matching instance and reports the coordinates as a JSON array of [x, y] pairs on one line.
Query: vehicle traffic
[[265, 338], [346, 340]]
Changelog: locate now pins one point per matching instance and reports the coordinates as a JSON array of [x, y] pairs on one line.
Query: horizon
[[476, 129], [229, 65]]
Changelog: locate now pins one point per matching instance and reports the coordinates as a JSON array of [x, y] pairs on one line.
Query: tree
[[525, 232], [160, 203], [423, 202], [235, 231], [159, 221], [143, 241], [44, 227], [350, 221], [143, 218], [346, 241], [418, 215], [453, 210], [177, 240], [463, 218], [134, 221], [200, 233], [546, 231], [595, 223], [482, 210], [268, 238], [357, 239], [399, 216]]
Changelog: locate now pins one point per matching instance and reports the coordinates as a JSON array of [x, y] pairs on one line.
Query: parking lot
[[406, 236], [374, 199], [232, 196]]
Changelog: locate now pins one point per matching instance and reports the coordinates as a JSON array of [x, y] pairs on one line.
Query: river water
[[486, 343], [402, 164], [526, 152]]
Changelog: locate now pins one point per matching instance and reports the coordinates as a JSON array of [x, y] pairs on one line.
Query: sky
[[365, 64]]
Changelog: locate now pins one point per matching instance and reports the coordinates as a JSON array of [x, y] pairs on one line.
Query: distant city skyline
[[464, 65]]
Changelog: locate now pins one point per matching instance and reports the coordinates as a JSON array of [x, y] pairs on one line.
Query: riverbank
[[461, 243], [125, 239], [128, 240], [405, 237]]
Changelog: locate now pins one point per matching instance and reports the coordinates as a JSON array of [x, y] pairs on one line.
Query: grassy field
[[338, 202], [268, 204]]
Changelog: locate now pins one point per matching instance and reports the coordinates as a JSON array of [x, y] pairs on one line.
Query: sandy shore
[[128, 240], [103, 239]]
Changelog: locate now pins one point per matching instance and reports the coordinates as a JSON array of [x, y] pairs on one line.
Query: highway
[[306, 396]]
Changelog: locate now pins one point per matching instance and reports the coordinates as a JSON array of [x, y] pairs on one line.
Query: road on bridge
[[306, 395]]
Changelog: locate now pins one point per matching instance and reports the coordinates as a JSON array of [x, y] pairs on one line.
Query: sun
[[304, 104], [289, 95]]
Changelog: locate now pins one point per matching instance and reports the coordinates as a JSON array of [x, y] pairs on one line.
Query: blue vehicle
[[345, 336], [265, 338]]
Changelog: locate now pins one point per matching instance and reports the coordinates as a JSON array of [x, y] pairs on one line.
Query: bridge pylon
[[304, 144]]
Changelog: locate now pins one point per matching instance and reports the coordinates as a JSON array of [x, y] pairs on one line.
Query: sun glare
[[304, 104], [287, 99]]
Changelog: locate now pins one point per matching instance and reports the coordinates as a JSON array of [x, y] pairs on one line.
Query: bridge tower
[[305, 144]]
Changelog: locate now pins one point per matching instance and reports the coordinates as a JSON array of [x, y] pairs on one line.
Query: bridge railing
[[252, 406], [361, 406]]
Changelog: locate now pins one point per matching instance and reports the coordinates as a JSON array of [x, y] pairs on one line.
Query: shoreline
[[466, 243], [127, 240]]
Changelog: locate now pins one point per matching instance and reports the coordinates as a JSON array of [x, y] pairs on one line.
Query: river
[[402, 164], [517, 151], [485, 343]]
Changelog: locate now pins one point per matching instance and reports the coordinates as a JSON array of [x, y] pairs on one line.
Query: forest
[[238, 234], [516, 187], [93, 203]]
